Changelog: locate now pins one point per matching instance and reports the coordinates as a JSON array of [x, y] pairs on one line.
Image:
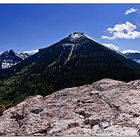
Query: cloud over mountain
[[130, 51], [125, 30], [31, 51], [111, 46]]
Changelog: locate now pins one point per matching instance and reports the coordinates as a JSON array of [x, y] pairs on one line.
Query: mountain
[[10, 58], [23, 55], [104, 108], [73, 61], [134, 56]]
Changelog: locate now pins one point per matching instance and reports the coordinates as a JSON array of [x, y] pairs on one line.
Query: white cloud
[[31, 51], [129, 11], [121, 27], [123, 31], [130, 51], [107, 37], [111, 46]]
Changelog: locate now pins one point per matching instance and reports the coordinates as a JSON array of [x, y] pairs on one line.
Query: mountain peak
[[8, 52], [76, 35], [11, 52]]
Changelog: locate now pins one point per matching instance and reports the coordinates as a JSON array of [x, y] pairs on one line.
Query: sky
[[28, 27]]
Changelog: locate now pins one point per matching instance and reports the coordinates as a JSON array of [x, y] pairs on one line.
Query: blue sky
[[29, 27]]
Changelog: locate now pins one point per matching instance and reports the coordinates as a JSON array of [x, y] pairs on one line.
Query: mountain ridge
[[10, 58], [135, 56], [73, 61]]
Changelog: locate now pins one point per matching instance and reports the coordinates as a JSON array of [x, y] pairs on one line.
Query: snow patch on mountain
[[132, 54], [76, 36], [31, 52], [130, 51], [138, 61], [67, 44], [69, 56], [6, 65], [11, 58]]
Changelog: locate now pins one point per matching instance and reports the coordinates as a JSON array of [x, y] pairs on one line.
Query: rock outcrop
[[104, 108]]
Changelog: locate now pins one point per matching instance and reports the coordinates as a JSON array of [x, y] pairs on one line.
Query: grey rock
[[37, 111], [104, 108]]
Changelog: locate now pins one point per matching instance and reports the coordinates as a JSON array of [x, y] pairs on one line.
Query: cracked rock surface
[[104, 108]]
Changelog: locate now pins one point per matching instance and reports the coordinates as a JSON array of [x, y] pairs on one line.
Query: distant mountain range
[[73, 61], [133, 55], [11, 58]]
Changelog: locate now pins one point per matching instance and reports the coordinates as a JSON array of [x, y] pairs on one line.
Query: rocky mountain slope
[[104, 108], [73, 61], [11, 58]]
